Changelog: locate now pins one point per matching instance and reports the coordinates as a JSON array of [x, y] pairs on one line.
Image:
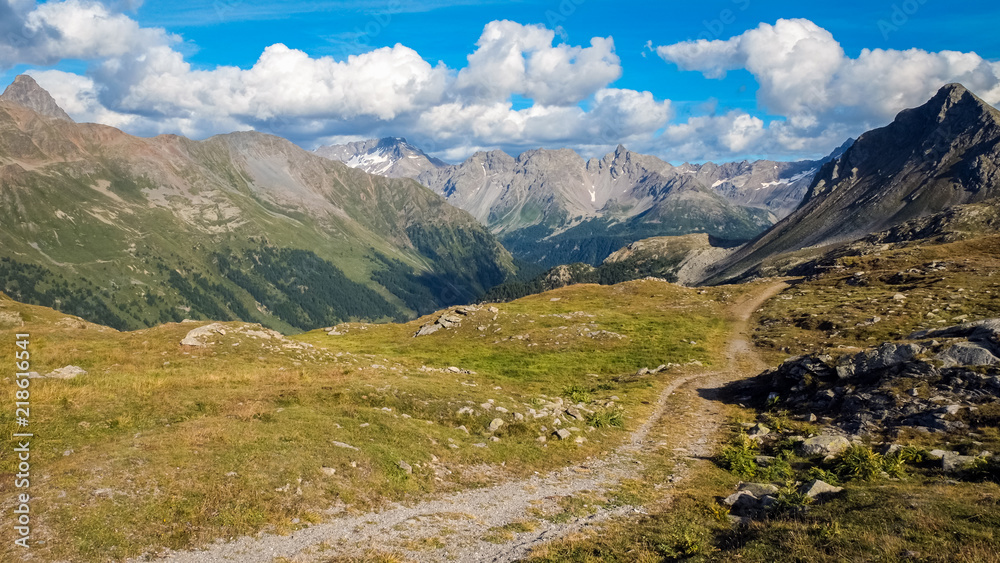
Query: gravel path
[[452, 528]]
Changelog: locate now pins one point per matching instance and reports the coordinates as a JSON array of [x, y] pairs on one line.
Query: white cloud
[[77, 95], [74, 29], [517, 59], [137, 80], [805, 76], [705, 137]]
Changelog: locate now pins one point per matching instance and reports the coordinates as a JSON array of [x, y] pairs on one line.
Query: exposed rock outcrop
[[934, 384]]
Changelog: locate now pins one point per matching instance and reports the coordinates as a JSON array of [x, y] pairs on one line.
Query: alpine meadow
[[340, 282]]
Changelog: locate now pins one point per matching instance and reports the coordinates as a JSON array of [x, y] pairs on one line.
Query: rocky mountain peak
[[930, 158], [387, 156], [24, 91], [954, 107]]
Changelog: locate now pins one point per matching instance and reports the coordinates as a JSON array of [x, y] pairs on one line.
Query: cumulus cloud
[[516, 59], [139, 81], [46, 33], [701, 137], [806, 77]]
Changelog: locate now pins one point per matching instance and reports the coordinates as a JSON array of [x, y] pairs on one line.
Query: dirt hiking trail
[[452, 528]]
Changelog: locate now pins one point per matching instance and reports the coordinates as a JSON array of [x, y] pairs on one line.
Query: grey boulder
[[824, 445]]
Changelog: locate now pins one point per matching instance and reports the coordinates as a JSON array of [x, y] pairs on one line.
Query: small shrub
[[829, 530], [828, 477], [773, 401], [719, 512], [778, 470], [912, 454], [686, 543], [894, 464], [983, 469], [790, 501], [738, 457], [577, 394], [860, 462], [606, 418]]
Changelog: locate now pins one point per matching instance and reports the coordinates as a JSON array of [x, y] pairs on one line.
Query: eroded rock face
[[24, 91]]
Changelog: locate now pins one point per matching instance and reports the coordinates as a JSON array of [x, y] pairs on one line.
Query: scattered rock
[[952, 462], [824, 445], [815, 488], [343, 445], [495, 424], [68, 372], [198, 336], [968, 354], [563, 434], [406, 467], [328, 471], [11, 318], [428, 329], [861, 392], [734, 499], [758, 489], [886, 356], [764, 460]]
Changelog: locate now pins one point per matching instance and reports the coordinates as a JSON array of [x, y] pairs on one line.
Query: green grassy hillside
[[133, 232]]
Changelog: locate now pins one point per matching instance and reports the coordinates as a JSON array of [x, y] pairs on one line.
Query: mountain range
[[132, 232], [553, 206], [933, 173]]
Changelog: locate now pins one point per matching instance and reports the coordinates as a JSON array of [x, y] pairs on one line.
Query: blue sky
[[693, 114], [235, 32]]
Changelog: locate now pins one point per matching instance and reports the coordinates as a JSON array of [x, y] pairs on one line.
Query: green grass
[[160, 446], [873, 519], [828, 313], [895, 507]]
